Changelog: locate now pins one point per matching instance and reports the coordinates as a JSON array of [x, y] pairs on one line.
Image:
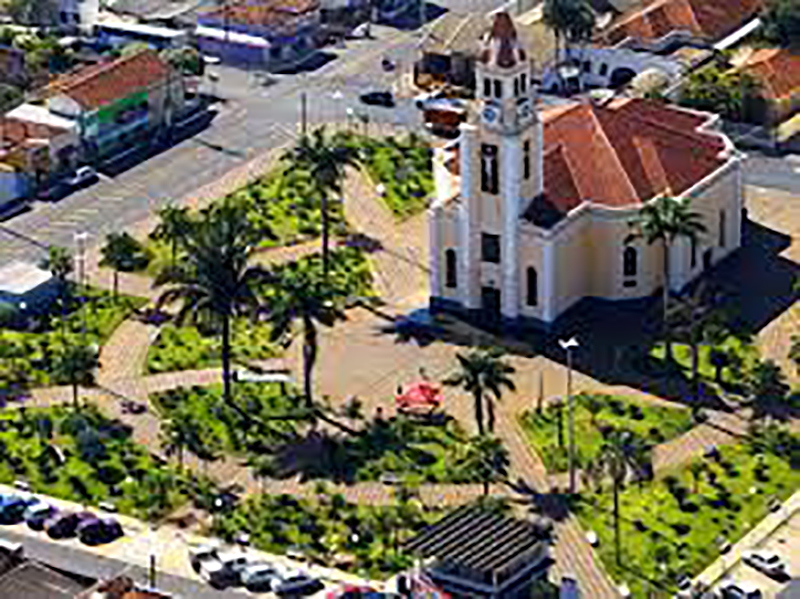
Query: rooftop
[[623, 153], [707, 19], [262, 12], [778, 70], [106, 82], [32, 580], [39, 115], [478, 540], [18, 278]]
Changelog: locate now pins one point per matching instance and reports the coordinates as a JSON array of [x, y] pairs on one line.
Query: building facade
[[534, 208]]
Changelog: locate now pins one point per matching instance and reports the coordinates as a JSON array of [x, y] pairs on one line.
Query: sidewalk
[[761, 531]]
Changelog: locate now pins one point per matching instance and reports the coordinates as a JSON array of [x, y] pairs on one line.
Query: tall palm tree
[[572, 21], [325, 157], [122, 253], [303, 299], [175, 225], [768, 389], [216, 281], [483, 372], [176, 437], [60, 264], [622, 455], [75, 366], [487, 458], [663, 220]]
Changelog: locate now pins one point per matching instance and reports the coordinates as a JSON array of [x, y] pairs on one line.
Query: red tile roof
[[503, 38], [625, 152], [777, 69], [103, 83], [708, 19], [263, 12], [15, 131]]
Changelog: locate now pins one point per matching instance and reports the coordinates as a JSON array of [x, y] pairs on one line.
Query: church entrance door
[[490, 305]]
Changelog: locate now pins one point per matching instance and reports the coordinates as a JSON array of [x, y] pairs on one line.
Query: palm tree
[[487, 458], [593, 404], [60, 264], [768, 389], [325, 158], [122, 253], [302, 298], [696, 469], [481, 371], [174, 226], [571, 21], [664, 220], [216, 282], [794, 352], [622, 455], [176, 436], [75, 365]]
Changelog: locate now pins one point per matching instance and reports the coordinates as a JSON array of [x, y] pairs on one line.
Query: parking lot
[[785, 541]]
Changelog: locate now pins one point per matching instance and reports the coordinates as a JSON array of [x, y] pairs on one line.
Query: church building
[[534, 205]]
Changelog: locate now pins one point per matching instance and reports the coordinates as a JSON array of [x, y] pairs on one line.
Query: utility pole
[[568, 346], [303, 113]]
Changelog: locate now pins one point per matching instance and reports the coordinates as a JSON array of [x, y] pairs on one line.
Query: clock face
[[489, 114], [524, 110]]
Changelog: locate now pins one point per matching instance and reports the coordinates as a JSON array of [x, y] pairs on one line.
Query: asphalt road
[[63, 555], [774, 172]]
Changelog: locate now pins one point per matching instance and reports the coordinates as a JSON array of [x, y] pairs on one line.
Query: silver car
[[768, 562], [261, 577]]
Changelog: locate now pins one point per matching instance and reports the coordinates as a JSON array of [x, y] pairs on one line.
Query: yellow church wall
[[572, 263], [531, 254], [448, 232]]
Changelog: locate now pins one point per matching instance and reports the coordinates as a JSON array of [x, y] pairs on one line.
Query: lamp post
[[80, 241], [569, 345]]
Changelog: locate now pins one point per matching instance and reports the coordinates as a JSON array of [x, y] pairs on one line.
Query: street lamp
[[568, 346], [80, 241]]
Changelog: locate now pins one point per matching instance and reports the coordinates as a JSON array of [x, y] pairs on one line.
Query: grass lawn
[[682, 353], [403, 166], [28, 355], [657, 528], [358, 538], [83, 456], [651, 422]]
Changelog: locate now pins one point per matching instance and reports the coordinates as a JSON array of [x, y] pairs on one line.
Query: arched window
[[722, 228], [629, 266], [450, 277], [533, 286]]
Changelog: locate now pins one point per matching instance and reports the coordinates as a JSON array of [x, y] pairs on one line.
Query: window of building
[[498, 89], [603, 70], [487, 87], [533, 286], [489, 169], [516, 87], [450, 273], [629, 266], [587, 66], [490, 248], [526, 159], [722, 228], [692, 252], [63, 17], [523, 82]]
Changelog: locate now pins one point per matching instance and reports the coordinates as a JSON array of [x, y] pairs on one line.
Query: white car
[[201, 554], [235, 563], [739, 590], [261, 577], [422, 100], [83, 176], [768, 562]]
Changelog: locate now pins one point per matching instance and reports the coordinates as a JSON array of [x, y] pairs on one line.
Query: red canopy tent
[[419, 395]]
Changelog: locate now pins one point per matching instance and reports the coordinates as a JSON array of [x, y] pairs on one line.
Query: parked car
[[99, 531], [739, 590], [12, 508], [38, 513], [203, 553], [768, 562], [65, 524], [261, 577], [298, 584], [385, 99], [225, 570], [84, 175]]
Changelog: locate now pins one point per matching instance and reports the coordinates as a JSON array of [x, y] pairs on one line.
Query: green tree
[[122, 253], [662, 221], [621, 456], [75, 366], [716, 88], [487, 459], [302, 299], [572, 21], [60, 264], [187, 61], [33, 12], [768, 389], [780, 23], [216, 282], [174, 227], [696, 469], [482, 373], [794, 352], [593, 403], [326, 158], [176, 435], [10, 96]]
